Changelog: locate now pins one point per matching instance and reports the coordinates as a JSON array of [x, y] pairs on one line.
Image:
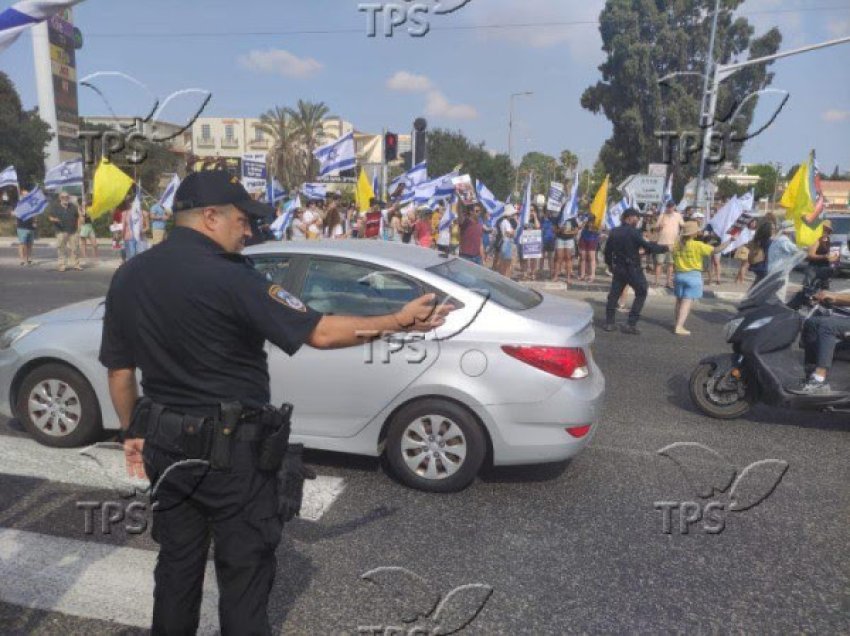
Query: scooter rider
[[821, 335]]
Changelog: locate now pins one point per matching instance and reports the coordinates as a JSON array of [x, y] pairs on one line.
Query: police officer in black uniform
[[193, 315], [622, 256]]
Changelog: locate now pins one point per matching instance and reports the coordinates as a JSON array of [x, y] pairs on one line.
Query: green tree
[[590, 181], [648, 39], [767, 175], [307, 123], [286, 155], [23, 136], [449, 149], [545, 167], [159, 161], [726, 189], [569, 160]]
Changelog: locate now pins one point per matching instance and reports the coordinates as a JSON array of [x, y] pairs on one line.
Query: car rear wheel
[[58, 406], [435, 445]]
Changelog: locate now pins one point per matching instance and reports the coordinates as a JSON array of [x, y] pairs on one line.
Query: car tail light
[[578, 431], [564, 362]]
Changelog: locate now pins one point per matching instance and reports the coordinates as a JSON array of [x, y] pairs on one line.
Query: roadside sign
[[644, 188]]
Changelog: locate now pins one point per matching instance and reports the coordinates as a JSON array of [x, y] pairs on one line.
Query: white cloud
[[547, 28], [838, 28], [280, 62], [438, 106], [835, 116], [409, 83]]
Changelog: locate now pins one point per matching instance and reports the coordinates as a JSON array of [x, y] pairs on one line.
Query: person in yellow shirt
[[688, 255]]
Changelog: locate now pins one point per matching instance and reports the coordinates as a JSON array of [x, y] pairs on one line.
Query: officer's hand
[[133, 457], [423, 314], [834, 258]]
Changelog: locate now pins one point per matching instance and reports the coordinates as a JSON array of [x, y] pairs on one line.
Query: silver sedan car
[[509, 379]]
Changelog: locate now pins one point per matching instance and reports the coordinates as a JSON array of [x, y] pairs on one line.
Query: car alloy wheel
[[433, 447], [54, 407]]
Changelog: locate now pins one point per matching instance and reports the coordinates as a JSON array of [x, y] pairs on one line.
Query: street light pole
[[724, 71], [511, 125]]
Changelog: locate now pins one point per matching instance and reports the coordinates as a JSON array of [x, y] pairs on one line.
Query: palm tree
[[286, 155], [307, 123]]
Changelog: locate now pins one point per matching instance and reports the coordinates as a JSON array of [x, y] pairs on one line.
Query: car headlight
[[11, 336], [731, 327]]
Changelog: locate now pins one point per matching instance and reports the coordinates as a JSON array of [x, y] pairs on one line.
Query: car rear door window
[[274, 268], [352, 288]]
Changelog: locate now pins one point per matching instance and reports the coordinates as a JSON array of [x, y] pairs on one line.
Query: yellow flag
[[110, 187], [600, 204], [363, 192], [799, 202]]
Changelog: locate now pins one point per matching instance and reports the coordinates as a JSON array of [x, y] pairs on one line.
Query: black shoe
[[631, 330], [812, 387], [609, 327]]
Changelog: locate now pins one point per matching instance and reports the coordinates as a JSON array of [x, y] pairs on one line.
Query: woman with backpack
[[588, 244], [503, 244]]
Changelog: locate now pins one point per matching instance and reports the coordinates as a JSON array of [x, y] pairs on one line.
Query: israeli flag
[[488, 199], [444, 186], [336, 156], [67, 173], [668, 191], [282, 223], [615, 212], [31, 205], [448, 216], [9, 178], [525, 211], [570, 210], [315, 191], [275, 192], [22, 15], [417, 175], [167, 198]]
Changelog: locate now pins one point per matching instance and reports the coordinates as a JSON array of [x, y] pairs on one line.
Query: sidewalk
[[727, 290], [12, 241]]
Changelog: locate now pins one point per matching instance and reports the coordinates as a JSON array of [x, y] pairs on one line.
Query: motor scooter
[[765, 363]]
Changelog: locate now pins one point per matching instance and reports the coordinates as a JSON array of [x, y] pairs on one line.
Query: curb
[[551, 286]]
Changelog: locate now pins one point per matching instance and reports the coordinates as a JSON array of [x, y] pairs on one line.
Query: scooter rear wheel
[[721, 405]]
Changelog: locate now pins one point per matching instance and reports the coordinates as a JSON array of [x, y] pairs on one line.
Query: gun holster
[[223, 435], [273, 447], [291, 478]]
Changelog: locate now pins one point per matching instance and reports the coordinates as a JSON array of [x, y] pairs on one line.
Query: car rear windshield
[[840, 225], [489, 284]]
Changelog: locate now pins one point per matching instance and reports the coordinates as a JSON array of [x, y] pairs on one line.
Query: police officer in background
[[622, 256], [193, 315]]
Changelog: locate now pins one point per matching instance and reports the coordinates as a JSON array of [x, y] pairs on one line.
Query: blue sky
[[458, 77]]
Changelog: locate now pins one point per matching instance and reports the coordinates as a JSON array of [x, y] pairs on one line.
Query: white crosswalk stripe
[[90, 579]]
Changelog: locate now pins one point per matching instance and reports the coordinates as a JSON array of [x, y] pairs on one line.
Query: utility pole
[[709, 104]]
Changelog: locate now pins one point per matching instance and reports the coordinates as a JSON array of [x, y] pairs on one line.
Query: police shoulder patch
[[282, 296]]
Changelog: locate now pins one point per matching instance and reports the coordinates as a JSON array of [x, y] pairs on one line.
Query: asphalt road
[[578, 547]]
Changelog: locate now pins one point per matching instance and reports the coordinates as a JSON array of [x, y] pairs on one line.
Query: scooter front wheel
[[721, 404]]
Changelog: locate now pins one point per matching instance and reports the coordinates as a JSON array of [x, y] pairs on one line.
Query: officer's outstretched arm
[[420, 315]]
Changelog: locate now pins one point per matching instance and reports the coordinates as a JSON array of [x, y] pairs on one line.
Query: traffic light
[[391, 146]]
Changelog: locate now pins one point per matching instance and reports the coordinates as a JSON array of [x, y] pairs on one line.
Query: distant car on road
[[509, 379]]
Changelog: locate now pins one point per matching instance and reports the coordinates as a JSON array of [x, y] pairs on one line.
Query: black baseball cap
[[217, 187]]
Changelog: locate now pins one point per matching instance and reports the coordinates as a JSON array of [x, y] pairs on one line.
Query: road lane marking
[[24, 457], [87, 579]]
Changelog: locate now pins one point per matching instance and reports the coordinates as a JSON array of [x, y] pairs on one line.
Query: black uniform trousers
[[238, 511], [631, 276]]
